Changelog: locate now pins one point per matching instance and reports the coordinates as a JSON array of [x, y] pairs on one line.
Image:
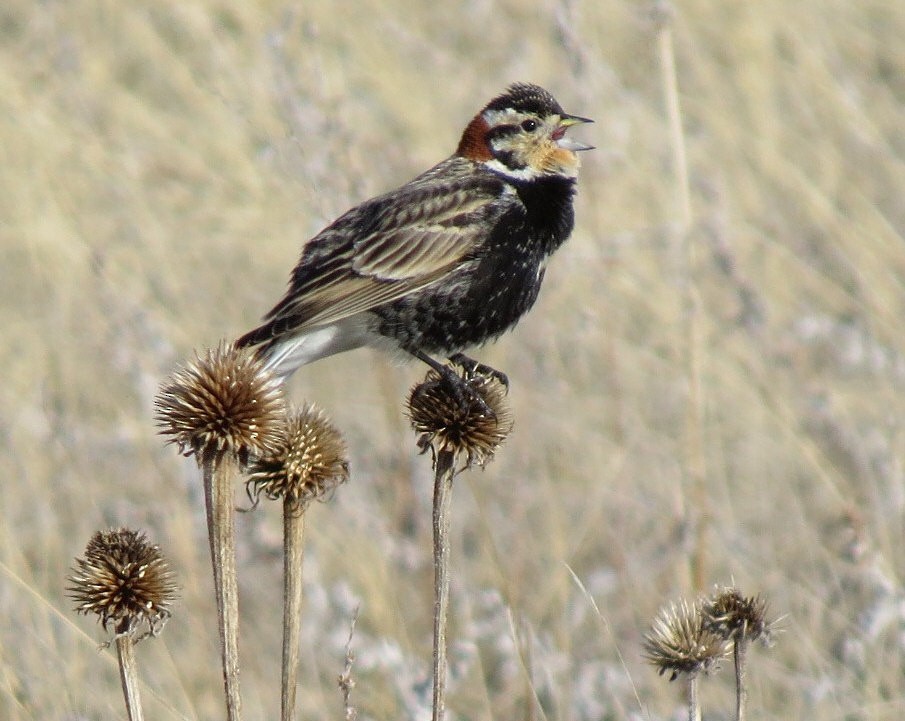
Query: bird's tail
[[284, 354], [274, 352]]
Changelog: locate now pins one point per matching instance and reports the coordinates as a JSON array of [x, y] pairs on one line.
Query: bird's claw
[[476, 368], [465, 391]]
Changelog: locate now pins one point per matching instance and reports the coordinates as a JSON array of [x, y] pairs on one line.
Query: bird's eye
[[529, 126]]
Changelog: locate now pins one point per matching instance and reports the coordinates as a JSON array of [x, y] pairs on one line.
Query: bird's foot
[[465, 386], [476, 368], [466, 391]]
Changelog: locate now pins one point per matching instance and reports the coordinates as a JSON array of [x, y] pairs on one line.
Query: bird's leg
[[473, 367], [465, 391]]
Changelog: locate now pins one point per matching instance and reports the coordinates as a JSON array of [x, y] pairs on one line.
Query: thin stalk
[[346, 681], [739, 649], [217, 469], [293, 552], [443, 479], [694, 707], [670, 82], [696, 511], [128, 675]]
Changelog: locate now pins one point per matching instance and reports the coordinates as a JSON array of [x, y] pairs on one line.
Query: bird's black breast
[[489, 294], [549, 213]]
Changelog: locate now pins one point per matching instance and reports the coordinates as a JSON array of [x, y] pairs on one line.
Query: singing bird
[[446, 262]]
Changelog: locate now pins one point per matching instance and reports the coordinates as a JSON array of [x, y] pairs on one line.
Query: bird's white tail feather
[[288, 355]]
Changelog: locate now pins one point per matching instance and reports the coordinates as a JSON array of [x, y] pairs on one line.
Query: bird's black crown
[[526, 98]]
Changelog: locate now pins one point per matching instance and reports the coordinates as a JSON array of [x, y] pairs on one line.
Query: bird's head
[[522, 134]]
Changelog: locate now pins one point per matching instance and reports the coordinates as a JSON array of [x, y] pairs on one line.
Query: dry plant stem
[[128, 676], [346, 681], [674, 117], [443, 479], [695, 511], [293, 547], [741, 694], [217, 469], [694, 708]]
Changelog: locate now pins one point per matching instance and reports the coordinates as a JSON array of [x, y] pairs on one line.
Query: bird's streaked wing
[[385, 249]]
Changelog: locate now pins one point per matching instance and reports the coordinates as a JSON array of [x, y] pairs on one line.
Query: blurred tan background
[[697, 399]]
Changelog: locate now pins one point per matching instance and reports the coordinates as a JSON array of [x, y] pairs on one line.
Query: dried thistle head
[[451, 420], [124, 580], [680, 643], [735, 617], [309, 463], [222, 402]]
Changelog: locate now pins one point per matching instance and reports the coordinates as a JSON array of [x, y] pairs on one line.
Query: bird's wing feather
[[426, 236], [387, 248]]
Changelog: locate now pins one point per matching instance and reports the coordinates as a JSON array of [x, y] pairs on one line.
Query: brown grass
[[162, 164]]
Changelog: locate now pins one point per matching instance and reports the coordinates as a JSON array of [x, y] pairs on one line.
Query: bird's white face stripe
[[507, 116], [526, 173]]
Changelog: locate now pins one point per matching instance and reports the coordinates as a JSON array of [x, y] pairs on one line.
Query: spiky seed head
[[680, 643], [124, 580], [310, 462], [222, 402], [736, 617], [452, 421]]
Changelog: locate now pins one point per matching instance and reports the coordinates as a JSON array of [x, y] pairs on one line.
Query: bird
[[446, 262]]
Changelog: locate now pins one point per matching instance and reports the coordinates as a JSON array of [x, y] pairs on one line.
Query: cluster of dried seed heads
[[691, 638]]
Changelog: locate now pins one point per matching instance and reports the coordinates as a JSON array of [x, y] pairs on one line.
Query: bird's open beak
[[559, 135]]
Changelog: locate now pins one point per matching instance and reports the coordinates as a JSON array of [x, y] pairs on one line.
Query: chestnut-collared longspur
[[447, 261]]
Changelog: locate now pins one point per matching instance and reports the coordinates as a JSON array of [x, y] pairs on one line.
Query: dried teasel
[[735, 617], [309, 463], [680, 643], [450, 420], [125, 581], [222, 402]]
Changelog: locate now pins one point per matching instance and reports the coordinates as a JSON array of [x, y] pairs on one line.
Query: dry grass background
[[162, 163]]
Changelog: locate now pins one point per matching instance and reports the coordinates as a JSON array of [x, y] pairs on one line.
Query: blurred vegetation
[[694, 403]]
